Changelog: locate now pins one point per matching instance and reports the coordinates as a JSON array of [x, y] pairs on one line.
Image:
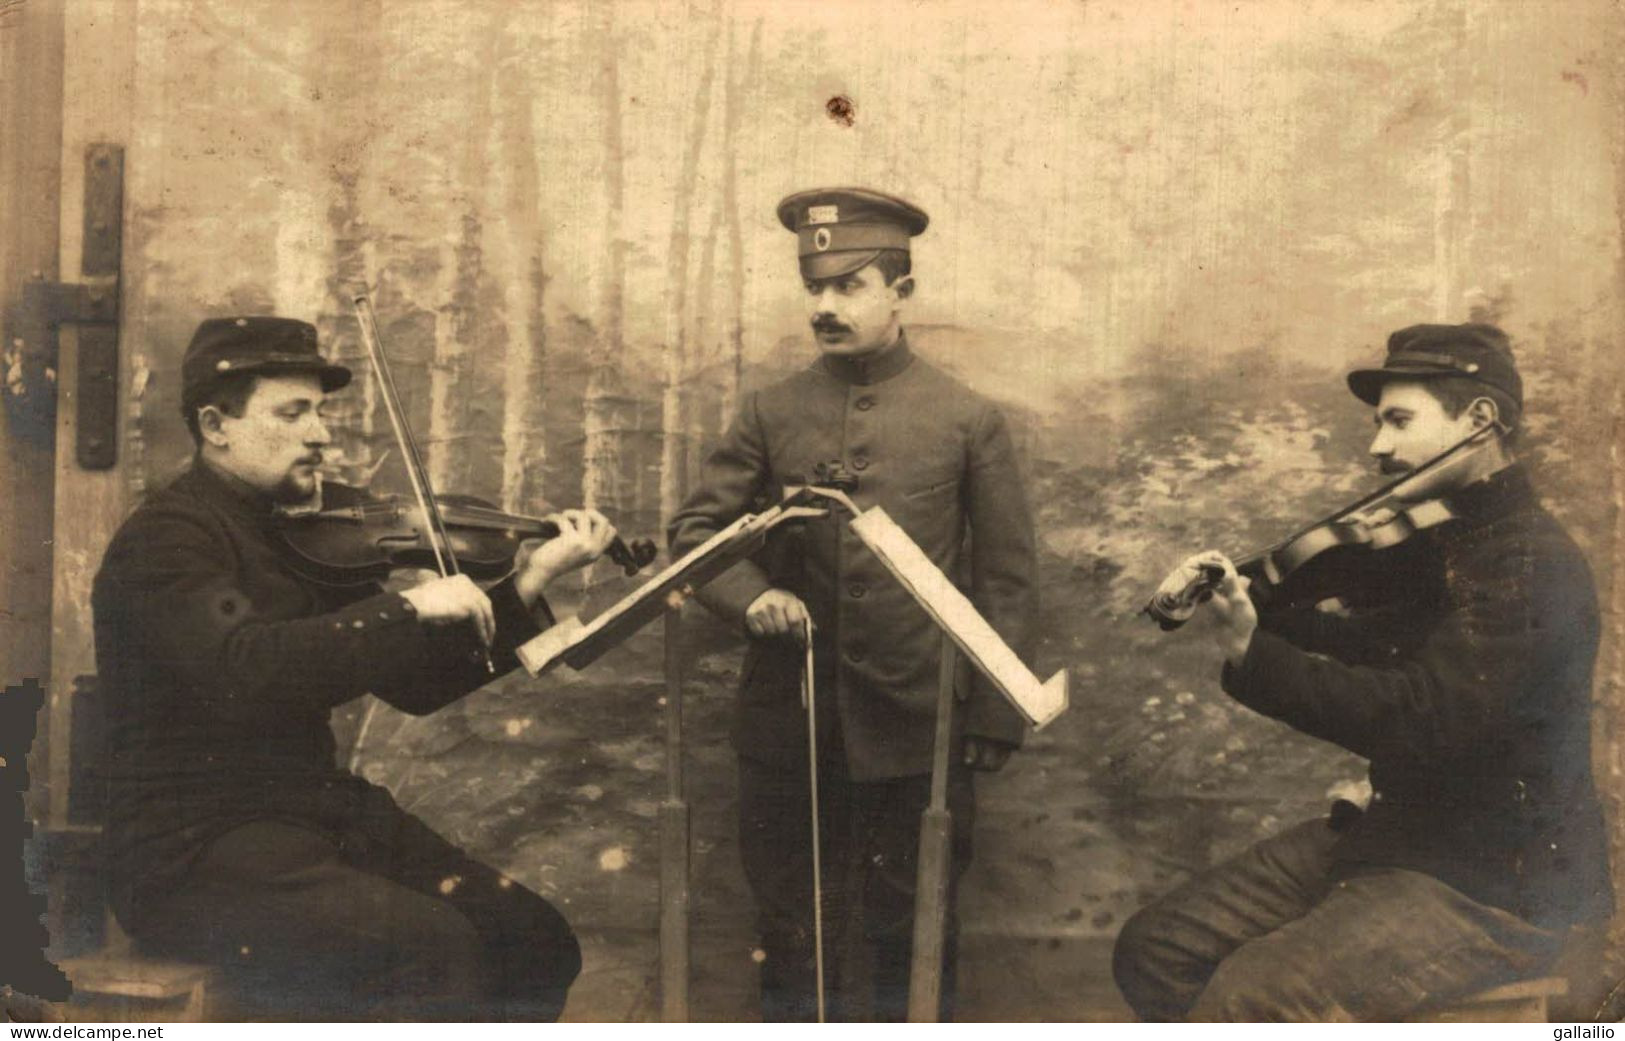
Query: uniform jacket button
[[855, 654], [857, 589], [866, 403], [860, 463]]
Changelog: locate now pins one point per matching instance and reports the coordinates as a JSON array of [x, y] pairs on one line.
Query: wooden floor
[[1002, 979]]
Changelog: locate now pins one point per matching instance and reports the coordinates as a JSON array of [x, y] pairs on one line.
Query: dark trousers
[[391, 922], [1273, 935], [870, 836]]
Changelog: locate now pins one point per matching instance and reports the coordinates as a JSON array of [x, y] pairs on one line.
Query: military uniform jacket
[[221, 665], [1472, 699], [939, 459]]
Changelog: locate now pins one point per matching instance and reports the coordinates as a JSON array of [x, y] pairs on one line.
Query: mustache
[[314, 459], [822, 324], [1393, 467]]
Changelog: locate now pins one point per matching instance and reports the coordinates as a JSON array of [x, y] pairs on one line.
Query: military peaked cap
[[1479, 352], [255, 343], [840, 230]]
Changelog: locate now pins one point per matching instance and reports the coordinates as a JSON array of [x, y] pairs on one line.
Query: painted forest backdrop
[[1160, 233]]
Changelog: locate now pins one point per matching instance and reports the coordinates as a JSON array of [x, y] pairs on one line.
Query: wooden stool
[[1521, 1002], [117, 971], [147, 979]]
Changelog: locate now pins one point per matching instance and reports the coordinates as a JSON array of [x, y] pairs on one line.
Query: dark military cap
[[842, 229], [1479, 352], [258, 343]]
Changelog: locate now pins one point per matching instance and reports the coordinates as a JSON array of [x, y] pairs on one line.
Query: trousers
[[1276, 935], [390, 921], [869, 851]]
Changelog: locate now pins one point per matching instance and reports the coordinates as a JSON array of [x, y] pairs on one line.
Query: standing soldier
[[938, 457]]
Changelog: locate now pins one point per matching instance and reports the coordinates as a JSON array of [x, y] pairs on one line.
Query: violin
[[1379, 521], [358, 537]]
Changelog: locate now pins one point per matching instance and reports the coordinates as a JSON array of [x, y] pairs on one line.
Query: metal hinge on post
[[92, 305]]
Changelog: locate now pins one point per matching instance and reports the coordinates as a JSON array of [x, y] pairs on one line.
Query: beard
[[298, 487]]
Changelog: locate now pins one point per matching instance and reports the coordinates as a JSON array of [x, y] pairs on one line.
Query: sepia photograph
[[731, 511]]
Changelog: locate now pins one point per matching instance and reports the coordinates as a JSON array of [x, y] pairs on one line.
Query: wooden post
[[32, 39], [97, 70], [936, 852], [674, 841]]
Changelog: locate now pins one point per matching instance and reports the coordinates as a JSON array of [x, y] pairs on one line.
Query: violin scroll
[[1171, 608], [632, 556]]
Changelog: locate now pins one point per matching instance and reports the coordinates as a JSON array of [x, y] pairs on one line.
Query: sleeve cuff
[[731, 593], [988, 715], [375, 612], [515, 622], [1253, 681], [381, 628]]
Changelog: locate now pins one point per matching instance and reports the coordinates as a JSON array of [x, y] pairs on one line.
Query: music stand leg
[[674, 841], [936, 851]]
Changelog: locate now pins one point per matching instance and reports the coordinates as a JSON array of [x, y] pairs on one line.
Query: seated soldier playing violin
[[233, 837], [1467, 684]]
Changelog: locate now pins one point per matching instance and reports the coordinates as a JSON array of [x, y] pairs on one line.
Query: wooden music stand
[[963, 630], [579, 645]]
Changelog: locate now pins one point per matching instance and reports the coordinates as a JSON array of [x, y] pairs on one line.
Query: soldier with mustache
[[1464, 677], [938, 457], [233, 838]]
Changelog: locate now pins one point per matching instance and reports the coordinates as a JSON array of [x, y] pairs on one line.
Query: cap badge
[[222, 366], [821, 239], [241, 322], [830, 214]]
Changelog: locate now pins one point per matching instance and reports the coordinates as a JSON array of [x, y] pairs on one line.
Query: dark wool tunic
[[939, 459], [1471, 696], [222, 665]]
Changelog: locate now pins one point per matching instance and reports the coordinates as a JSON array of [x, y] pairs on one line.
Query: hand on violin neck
[[1232, 618], [452, 600], [1222, 610], [583, 537]]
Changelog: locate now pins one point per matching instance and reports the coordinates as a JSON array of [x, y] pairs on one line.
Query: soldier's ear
[[1484, 413], [210, 425], [904, 287]]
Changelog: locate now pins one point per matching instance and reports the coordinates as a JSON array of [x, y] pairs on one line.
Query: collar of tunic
[[868, 368], [225, 491], [1503, 492]]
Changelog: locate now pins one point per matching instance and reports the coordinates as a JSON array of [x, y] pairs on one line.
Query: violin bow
[[1425, 469], [416, 472], [809, 701]]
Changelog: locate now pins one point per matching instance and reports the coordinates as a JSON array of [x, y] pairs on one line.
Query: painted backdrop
[[1160, 232]]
